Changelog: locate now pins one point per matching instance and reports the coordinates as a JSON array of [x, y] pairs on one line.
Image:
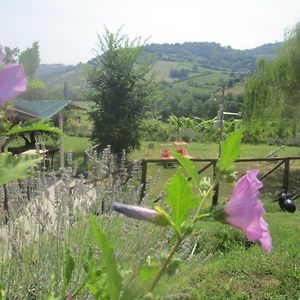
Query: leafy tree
[[121, 92], [36, 90], [11, 55], [273, 93], [30, 58]]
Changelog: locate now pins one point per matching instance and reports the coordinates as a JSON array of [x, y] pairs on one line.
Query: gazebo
[[24, 110]]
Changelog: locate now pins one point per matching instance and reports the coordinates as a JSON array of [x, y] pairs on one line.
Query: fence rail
[[285, 161]]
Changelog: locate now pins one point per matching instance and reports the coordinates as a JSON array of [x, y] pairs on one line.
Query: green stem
[[164, 266], [181, 238], [204, 199]]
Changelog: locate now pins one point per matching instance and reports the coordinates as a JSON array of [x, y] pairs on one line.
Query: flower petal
[[244, 210], [141, 213], [12, 82]]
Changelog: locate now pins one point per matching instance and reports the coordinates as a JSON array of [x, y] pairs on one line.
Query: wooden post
[[61, 139], [216, 189], [143, 179], [286, 171], [5, 204]]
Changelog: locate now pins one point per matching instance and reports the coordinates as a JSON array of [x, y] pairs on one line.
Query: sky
[[67, 29]]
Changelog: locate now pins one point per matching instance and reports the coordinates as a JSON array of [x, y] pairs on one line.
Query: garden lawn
[[272, 184]]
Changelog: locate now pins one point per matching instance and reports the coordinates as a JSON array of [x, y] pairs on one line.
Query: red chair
[[183, 152], [166, 154]]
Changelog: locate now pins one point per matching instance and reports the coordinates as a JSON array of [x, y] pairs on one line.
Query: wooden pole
[[215, 197], [286, 172], [61, 139], [143, 179], [5, 204]]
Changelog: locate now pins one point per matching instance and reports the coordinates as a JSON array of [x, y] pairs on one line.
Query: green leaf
[[188, 166], [68, 268], [179, 197], [230, 150], [149, 270], [96, 282], [34, 125], [2, 292], [15, 168], [113, 276], [166, 218]]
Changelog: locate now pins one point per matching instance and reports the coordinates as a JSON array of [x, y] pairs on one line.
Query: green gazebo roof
[[44, 109]]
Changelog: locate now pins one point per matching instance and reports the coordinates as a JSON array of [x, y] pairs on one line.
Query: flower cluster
[[12, 80]]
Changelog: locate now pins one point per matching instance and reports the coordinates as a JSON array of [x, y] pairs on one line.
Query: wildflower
[[140, 213], [244, 210], [12, 80]]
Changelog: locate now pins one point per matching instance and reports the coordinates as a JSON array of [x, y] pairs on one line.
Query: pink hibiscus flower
[[244, 210], [12, 80]]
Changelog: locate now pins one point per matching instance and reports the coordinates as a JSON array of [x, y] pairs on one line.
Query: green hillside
[[189, 74]]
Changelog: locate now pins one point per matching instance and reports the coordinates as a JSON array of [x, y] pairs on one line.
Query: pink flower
[[244, 210], [140, 213], [12, 80]]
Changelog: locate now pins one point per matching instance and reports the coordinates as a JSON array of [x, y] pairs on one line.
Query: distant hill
[[193, 68], [268, 51], [56, 74], [212, 55]]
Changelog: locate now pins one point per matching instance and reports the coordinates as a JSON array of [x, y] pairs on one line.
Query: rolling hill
[[189, 73]]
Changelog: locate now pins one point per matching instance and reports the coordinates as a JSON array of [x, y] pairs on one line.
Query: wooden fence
[[285, 161]]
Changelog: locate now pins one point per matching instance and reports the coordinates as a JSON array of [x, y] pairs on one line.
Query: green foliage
[[114, 278], [120, 91], [180, 198], [34, 125], [11, 55], [211, 55], [30, 58], [189, 167], [149, 269], [230, 150], [272, 94], [69, 265], [78, 123], [36, 90], [15, 168], [153, 129]]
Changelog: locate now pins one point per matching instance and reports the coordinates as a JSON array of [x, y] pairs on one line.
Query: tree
[[121, 92], [36, 90], [273, 93], [11, 55], [30, 58]]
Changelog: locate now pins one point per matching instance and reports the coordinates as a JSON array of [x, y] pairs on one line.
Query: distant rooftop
[[43, 109]]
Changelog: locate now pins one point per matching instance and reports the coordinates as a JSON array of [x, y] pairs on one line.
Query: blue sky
[[67, 29]]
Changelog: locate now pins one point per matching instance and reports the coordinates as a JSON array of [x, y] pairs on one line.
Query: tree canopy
[[30, 58], [273, 94], [121, 92]]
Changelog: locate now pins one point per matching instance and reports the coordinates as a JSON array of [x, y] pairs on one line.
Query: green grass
[[76, 144], [273, 183], [224, 266]]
